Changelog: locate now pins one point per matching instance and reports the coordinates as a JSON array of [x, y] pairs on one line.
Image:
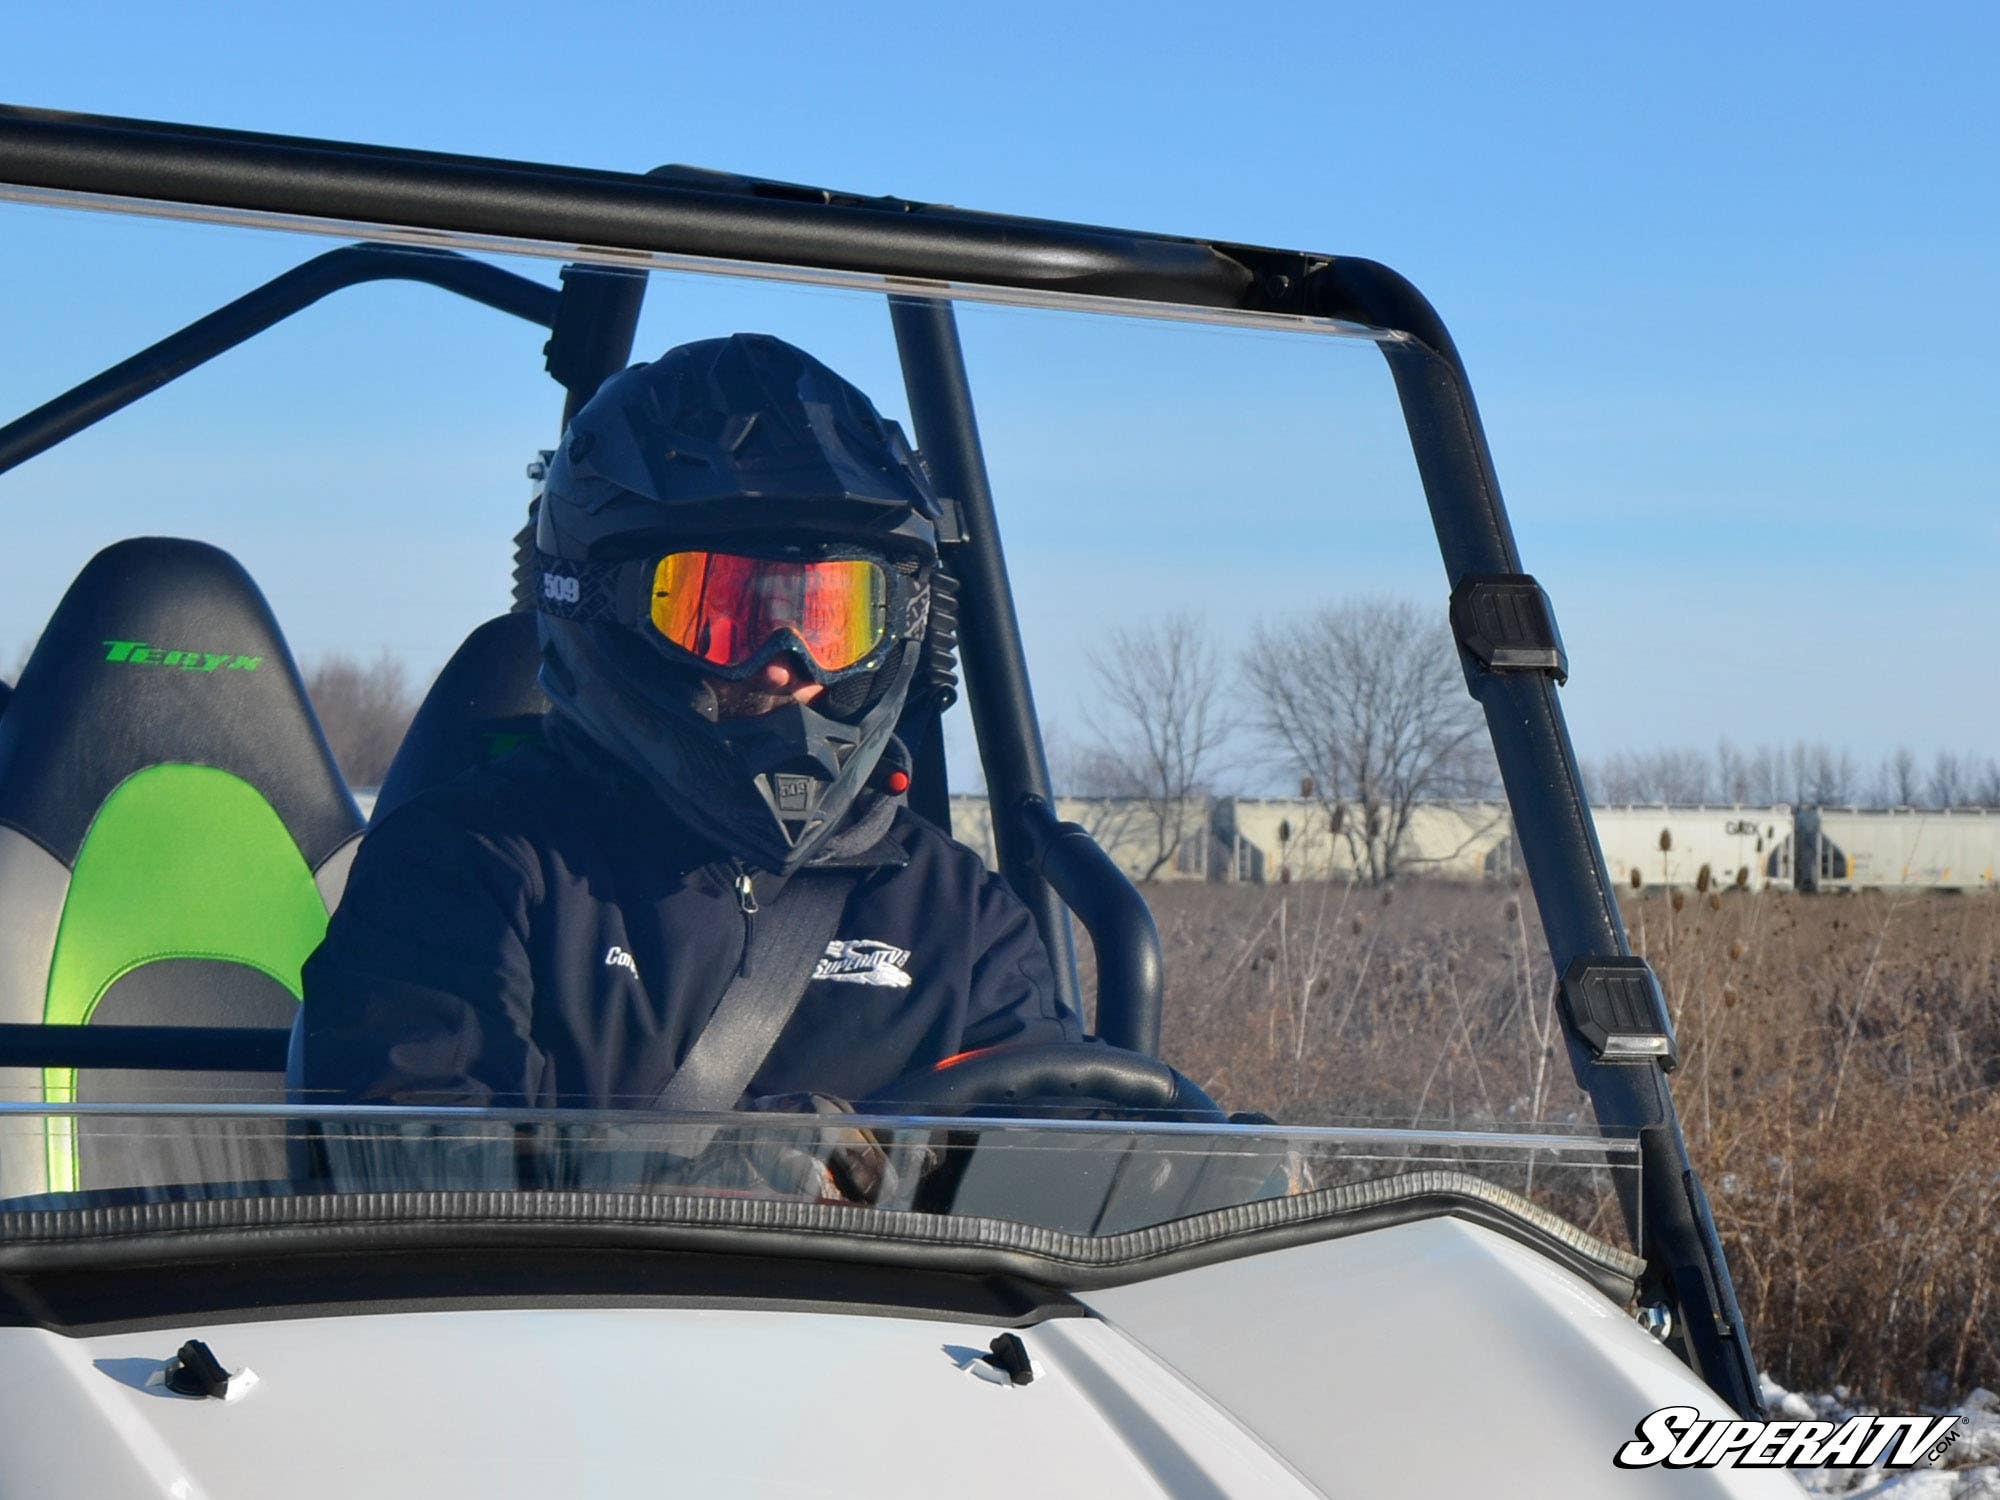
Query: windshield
[[1230, 610]]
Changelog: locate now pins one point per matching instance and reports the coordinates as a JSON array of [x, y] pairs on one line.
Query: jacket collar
[[875, 836]]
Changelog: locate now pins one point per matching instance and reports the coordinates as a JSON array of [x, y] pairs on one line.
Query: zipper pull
[[746, 902]]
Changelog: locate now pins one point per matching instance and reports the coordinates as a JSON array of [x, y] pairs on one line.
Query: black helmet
[[728, 449]]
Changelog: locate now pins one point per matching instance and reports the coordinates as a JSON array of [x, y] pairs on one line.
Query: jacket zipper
[[746, 902]]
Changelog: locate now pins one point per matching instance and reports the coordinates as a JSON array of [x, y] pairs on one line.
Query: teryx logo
[[864, 961], [1681, 1438], [139, 654]]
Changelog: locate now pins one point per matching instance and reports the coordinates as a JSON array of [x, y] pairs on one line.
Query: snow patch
[[1970, 1472]]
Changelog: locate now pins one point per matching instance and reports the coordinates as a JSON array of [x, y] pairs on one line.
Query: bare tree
[[1823, 775], [1159, 728], [1085, 772], [1365, 698], [1678, 776], [1950, 782], [364, 711], [1899, 785], [1735, 772], [1987, 792], [1804, 773], [1767, 775]]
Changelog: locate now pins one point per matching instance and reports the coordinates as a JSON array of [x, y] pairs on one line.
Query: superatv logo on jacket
[[1681, 1438], [861, 961]]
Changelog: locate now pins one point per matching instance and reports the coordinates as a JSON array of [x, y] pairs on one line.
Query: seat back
[[484, 703], [173, 832]]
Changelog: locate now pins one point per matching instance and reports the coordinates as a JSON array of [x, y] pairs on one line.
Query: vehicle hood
[[1430, 1359]]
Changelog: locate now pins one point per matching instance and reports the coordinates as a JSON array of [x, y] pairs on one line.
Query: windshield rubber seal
[[177, 1233]]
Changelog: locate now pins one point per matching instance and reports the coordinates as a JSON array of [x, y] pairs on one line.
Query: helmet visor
[[724, 608]]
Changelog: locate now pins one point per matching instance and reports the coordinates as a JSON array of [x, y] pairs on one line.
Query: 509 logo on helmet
[[794, 793]]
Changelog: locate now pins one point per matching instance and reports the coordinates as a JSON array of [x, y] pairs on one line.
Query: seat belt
[[788, 938]]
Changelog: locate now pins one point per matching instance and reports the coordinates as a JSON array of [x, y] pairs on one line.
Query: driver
[[735, 557]]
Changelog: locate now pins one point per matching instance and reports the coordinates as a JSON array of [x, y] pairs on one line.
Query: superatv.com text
[[1681, 1438]]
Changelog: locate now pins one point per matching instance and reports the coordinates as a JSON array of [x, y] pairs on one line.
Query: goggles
[[730, 613]]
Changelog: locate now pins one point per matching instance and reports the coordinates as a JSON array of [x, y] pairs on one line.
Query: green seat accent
[[180, 862]]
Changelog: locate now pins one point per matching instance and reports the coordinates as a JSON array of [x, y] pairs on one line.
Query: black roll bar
[[150, 160], [997, 689], [768, 224], [1131, 976], [1573, 891], [252, 313]]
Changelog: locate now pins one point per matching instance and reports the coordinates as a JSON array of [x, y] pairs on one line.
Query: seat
[[173, 833], [484, 703]]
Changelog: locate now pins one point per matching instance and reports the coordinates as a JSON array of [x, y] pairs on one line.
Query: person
[[735, 555]]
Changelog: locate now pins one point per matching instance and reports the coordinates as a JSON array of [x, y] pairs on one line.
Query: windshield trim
[[1608, 1144], [161, 1234]]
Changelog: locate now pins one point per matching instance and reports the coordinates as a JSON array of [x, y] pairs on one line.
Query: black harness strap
[[789, 937]]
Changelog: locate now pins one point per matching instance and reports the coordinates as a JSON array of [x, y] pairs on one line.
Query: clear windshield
[[1232, 613]]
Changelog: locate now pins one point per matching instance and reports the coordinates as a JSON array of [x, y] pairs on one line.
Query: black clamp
[[195, 1371], [1010, 1357], [1503, 621], [595, 320], [1616, 1006], [950, 522]]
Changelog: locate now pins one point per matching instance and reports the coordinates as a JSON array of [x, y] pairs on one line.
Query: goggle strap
[[572, 590]]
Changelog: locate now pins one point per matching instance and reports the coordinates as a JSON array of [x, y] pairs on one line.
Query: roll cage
[[923, 258]]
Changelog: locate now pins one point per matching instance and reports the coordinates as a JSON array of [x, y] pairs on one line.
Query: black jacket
[[536, 933]]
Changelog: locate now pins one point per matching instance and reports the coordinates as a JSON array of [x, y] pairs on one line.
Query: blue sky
[[1723, 277]]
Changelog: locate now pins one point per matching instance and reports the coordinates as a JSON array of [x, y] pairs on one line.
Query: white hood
[[1433, 1360]]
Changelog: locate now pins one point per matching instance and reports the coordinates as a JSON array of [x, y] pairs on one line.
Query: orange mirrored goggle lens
[[724, 608]]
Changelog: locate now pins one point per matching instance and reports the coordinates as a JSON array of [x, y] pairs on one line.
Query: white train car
[[1123, 828], [1293, 838], [1669, 846], [1856, 848]]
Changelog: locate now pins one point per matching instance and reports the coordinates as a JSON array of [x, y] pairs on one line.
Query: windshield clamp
[[195, 1371], [1503, 621], [1616, 1006], [1009, 1356]]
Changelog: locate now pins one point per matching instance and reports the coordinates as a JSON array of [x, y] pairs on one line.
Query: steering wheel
[[1013, 1076]]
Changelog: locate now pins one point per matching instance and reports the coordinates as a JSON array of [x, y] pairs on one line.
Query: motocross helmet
[[730, 502]]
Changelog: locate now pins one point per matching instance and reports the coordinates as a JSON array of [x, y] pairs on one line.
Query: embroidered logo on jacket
[[618, 958], [864, 961]]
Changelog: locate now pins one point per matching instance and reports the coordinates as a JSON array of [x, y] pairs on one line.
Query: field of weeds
[[1839, 1083]]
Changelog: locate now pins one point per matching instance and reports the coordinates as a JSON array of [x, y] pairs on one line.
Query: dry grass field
[[1840, 1079]]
